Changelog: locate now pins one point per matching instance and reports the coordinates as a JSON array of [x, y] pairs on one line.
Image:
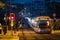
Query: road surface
[[27, 34]]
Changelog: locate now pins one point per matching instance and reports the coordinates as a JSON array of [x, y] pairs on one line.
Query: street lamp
[[2, 5]]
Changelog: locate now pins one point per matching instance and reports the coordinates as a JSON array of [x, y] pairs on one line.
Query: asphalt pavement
[[28, 34]]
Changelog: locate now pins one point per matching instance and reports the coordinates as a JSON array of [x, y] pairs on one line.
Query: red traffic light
[[12, 16]]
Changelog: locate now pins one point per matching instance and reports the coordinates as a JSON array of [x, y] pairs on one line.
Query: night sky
[[27, 1], [21, 1]]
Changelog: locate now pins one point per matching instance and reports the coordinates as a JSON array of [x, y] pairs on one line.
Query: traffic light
[[12, 17]]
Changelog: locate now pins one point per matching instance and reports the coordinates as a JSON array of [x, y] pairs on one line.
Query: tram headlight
[[48, 23], [34, 22]]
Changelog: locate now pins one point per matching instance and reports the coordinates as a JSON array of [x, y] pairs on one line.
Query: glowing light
[[43, 18], [39, 30], [48, 23], [20, 25], [12, 17], [12, 24]]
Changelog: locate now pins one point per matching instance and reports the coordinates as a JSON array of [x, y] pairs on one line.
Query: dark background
[[35, 7]]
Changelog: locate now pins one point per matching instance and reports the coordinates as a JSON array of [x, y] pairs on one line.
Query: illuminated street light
[[54, 14], [2, 5]]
